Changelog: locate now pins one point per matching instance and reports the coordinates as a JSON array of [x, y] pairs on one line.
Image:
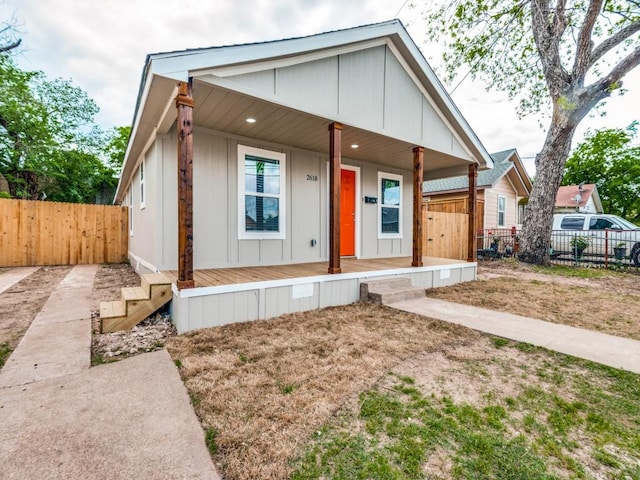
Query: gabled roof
[[231, 69], [503, 163], [567, 195]]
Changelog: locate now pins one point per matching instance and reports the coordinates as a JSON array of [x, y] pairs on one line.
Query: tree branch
[[561, 19], [547, 38], [584, 43], [590, 96], [614, 40], [10, 46], [623, 67]]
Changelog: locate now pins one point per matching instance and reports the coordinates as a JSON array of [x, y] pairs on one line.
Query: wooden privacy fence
[[50, 233], [446, 234]]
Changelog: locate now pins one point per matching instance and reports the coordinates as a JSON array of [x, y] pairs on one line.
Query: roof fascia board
[[525, 186], [596, 199], [191, 60], [169, 113], [513, 186], [146, 82], [449, 104], [232, 70], [394, 50], [132, 167], [164, 123], [522, 172]]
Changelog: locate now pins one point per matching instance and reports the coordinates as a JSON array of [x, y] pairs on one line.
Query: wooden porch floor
[[230, 276]]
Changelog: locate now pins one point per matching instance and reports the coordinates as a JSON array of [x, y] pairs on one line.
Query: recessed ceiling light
[[250, 120], [354, 145]]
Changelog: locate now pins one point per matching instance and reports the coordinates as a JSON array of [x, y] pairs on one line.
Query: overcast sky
[[101, 46]]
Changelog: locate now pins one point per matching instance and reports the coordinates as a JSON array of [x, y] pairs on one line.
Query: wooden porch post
[[335, 161], [184, 104], [473, 202], [418, 174]]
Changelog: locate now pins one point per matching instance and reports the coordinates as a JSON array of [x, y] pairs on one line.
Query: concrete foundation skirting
[[206, 307]]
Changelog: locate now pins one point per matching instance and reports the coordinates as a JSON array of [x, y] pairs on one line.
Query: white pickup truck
[[604, 233]]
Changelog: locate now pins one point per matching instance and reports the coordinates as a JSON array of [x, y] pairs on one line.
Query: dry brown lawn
[[608, 304], [263, 388], [266, 386]]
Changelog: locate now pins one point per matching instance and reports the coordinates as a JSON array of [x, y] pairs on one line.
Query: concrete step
[[389, 290]]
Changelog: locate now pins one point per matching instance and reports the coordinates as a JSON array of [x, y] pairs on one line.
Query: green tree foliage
[[562, 57], [608, 159], [50, 146], [116, 147]]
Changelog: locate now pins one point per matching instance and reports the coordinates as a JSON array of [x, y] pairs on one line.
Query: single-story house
[[502, 192], [275, 177], [583, 198]]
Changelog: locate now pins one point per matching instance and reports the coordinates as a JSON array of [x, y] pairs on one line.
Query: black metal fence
[[606, 248]]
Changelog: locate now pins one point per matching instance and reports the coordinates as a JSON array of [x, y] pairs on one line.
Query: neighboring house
[[275, 128], [583, 198], [502, 192]]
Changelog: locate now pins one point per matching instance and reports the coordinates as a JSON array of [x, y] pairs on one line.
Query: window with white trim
[[142, 196], [261, 195], [389, 205], [502, 209]]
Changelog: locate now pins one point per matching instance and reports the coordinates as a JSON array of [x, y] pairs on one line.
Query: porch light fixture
[[354, 145], [250, 120]]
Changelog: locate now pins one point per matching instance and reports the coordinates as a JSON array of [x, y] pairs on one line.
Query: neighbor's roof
[[502, 162], [566, 196]]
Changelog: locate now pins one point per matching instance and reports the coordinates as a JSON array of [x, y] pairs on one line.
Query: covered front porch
[[229, 295]]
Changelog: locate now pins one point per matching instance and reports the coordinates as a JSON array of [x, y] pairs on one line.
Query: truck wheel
[[635, 254]]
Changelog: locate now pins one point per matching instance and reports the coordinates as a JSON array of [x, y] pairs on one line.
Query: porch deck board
[[230, 276]]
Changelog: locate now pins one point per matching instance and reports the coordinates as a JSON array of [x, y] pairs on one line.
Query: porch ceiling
[[224, 110]]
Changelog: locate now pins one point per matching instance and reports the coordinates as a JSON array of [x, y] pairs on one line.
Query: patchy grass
[[608, 304], [365, 391], [578, 272], [5, 351], [562, 418], [266, 386]]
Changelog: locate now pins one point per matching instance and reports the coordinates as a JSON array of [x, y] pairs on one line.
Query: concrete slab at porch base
[[617, 352]]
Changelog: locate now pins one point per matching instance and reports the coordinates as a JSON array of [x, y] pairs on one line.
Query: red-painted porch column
[[473, 202], [184, 104], [418, 174], [335, 161]]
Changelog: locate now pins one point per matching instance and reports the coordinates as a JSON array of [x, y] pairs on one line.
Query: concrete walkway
[[58, 342], [13, 276], [609, 350], [63, 420]]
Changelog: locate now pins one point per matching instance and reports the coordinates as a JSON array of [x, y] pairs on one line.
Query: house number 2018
[[312, 178]]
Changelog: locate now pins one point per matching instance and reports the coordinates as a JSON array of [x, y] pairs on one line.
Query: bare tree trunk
[[538, 216]]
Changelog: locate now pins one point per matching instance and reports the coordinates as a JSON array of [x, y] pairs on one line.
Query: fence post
[[606, 248]]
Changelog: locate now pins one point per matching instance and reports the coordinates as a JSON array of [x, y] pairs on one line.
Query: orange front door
[[347, 213]]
